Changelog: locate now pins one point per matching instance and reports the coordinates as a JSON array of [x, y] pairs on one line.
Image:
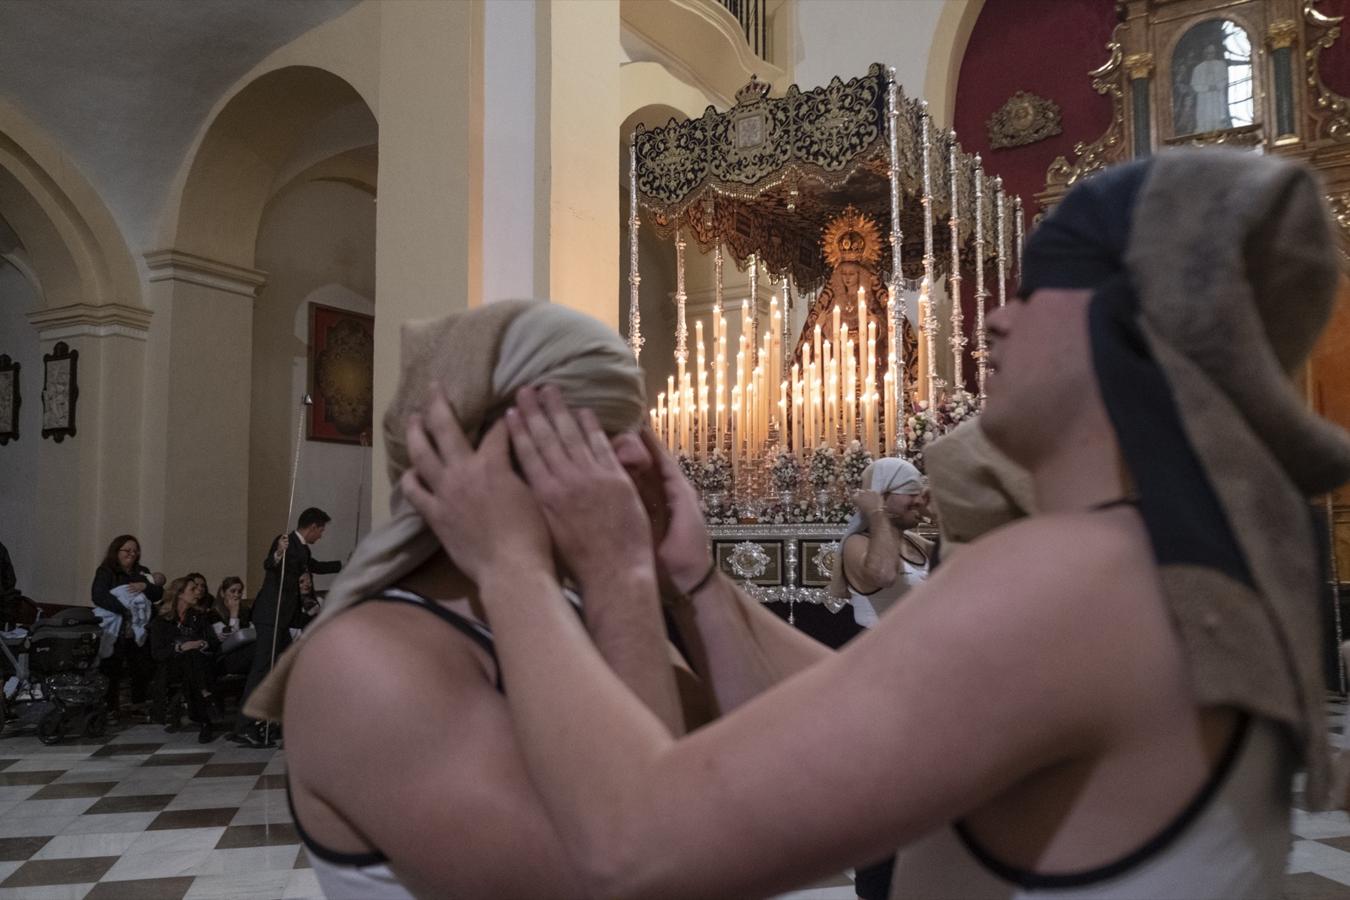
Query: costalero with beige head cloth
[[480, 358]]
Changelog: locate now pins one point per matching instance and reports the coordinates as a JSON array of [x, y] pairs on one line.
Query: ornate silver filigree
[[748, 560]]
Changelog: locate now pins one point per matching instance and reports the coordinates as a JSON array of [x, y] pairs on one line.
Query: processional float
[[797, 191]]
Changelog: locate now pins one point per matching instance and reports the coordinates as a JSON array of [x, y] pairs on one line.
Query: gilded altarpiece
[[1244, 73]]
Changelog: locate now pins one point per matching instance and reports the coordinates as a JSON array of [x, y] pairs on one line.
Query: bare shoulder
[[367, 672], [1064, 557], [1079, 588]]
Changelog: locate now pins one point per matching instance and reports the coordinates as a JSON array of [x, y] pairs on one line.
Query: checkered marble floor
[[145, 815]]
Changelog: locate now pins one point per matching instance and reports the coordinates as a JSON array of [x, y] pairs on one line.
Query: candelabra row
[[837, 391]]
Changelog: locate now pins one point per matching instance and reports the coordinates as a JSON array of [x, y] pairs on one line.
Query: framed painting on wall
[[341, 374], [9, 400], [60, 390]]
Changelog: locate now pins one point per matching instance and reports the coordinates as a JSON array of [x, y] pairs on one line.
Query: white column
[[199, 391]]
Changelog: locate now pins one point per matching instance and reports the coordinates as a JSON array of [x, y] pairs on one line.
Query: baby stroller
[[50, 676]]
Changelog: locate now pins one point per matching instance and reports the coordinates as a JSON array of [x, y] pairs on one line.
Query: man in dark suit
[[276, 608]]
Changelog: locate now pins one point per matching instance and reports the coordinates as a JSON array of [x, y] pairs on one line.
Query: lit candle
[[701, 438], [775, 326], [816, 343], [847, 376], [862, 322], [870, 386], [889, 403], [672, 404], [796, 411], [735, 432]]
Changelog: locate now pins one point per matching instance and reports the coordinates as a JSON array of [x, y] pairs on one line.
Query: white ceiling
[[124, 85]]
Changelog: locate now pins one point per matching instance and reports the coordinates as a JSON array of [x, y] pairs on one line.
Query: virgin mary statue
[[852, 246]]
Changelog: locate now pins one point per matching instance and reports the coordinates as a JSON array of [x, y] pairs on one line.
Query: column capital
[[1139, 65], [90, 320], [177, 265], [1282, 33]]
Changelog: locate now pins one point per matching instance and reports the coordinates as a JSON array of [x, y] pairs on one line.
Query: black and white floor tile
[[145, 815]]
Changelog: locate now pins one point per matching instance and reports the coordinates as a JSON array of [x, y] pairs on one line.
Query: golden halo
[[851, 237]]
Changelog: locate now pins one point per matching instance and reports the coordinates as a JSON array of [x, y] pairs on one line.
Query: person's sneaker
[[207, 734]]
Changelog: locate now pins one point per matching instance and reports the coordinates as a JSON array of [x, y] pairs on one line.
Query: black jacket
[[167, 634], [298, 559], [105, 579]]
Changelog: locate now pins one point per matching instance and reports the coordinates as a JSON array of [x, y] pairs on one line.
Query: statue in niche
[[1212, 79], [852, 245], [1209, 80]]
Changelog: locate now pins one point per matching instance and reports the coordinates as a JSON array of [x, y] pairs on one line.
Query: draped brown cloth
[[480, 358], [974, 487]]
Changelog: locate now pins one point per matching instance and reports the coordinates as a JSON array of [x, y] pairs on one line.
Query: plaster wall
[[513, 211], [424, 234], [20, 460], [582, 41], [205, 433], [843, 37], [317, 244]]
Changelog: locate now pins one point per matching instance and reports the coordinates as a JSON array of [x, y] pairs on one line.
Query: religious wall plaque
[[1023, 119], [341, 374], [9, 400], [60, 390]]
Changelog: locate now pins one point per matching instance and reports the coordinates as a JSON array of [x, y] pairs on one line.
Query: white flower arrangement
[[794, 513], [921, 429], [689, 467], [785, 472], [957, 407], [715, 473], [851, 466], [823, 468]]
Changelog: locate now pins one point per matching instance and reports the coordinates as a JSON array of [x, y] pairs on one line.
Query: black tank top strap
[[345, 860], [475, 631]]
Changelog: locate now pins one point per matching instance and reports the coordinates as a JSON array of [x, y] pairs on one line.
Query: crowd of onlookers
[[169, 648], [181, 648], [172, 648], [175, 648]]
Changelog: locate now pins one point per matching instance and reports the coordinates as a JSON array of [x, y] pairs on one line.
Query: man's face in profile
[[312, 533]]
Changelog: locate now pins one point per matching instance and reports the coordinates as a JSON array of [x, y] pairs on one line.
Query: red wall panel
[[1336, 61], [1046, 47]]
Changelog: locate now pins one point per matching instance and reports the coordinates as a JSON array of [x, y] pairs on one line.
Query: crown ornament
[[852, 237], [753, 92]]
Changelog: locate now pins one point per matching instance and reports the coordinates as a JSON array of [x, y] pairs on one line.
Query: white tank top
[[868, 608], [340, 881], [367, 876], [1229, 843]]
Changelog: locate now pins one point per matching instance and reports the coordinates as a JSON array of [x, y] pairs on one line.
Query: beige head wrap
[[480, 358], [975, 487], [888, 475]]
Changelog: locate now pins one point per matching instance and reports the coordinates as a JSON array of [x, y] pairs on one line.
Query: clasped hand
[[575, 496], [578, 498]]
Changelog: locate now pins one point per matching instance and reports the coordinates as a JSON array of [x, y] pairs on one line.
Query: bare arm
[[757, 802], [449, 801], [872, 560], [737, 646]]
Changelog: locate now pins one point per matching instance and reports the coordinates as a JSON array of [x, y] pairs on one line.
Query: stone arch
[[74, 248], [945, 54], [246, 149]]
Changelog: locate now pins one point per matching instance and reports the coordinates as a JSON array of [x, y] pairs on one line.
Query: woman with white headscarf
[[880, 558]]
